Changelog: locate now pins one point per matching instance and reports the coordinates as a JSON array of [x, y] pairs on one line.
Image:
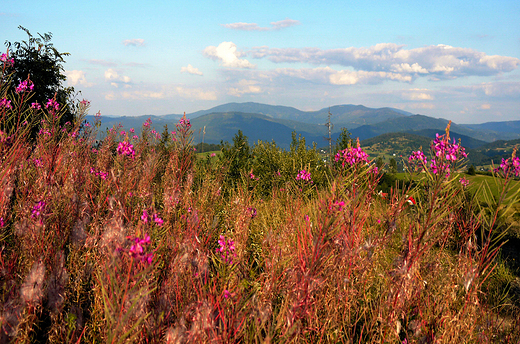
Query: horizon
[[458, 60]]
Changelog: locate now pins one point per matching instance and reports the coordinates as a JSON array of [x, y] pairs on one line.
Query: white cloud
[[485, 106], [191, 70], [136, 42], [77, 77], [116, 79], [195, 93], [142, 95], [417, 94], [254, 26], [227, 54], [244, 87], [436, 61]]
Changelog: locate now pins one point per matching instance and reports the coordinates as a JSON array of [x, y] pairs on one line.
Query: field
[[135, 239]]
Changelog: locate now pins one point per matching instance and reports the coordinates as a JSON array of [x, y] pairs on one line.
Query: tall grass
[[133, 240]]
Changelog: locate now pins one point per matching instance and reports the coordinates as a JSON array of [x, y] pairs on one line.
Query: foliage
[[37, 61]]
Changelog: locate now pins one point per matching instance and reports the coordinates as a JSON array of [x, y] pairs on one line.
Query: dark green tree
[[392, 166], [472, 171], [38, 60], [237, 157], [344, 140]]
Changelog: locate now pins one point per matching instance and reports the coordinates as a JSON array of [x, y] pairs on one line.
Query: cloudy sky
[[458, 60]]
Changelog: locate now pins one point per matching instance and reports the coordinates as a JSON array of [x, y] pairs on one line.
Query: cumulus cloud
[[136, 42], [244, 87], [77, 77], [227, 54], [115, 79], [417, 94], [504, 89], [437, 61], [195, 93], [191, 70], [278, 25]]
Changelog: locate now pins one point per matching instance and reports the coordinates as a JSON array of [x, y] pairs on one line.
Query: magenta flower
[[144, 217], [2, 222], [352, 156], [36, 106], [38, 209], [132, 130], [52, 105], [138, 249], [126, 148], [158, 221], [25, 86], [464, 182], [509, 166], [6, 60], [226, 249], [304, 175], [4, 103]]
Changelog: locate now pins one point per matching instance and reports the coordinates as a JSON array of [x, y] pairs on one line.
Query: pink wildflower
[[226, 249]]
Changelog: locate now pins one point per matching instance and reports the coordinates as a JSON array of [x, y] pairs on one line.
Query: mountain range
[[269, 122]]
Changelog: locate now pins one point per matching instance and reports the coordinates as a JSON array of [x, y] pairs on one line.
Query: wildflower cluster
[[304, 175], [25, 86], [226, 249], [38, 209], [101, 174], [155, 218], [352, 156], [6, 60], [184, 122], [509, 166], [126, 148], [5, 103], [445, 154], [52, 105], [138, 249]]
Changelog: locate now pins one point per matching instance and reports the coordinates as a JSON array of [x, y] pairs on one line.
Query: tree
[[238, 158], [344, 140], [393, 166], [39, 61]]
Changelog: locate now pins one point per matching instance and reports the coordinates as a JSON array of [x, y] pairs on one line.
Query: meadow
[[132, 239]]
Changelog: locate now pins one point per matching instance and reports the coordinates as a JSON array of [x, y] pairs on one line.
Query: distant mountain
[[503, 127], [224, 126], [361, 121], [349, 116], [420, 122]]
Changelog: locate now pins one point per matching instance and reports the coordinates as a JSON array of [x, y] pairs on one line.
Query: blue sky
[[458, 60]]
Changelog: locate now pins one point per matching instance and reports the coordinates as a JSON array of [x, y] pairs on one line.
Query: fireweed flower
[[226, 249], [25, 86], [132, 130], [304, 175], [126, 148], [144, 217], [138, 249], [147, 122], [2, 222], [464, 182], [52, 105], [509, 166], [352, 156], [337, 206], [36, 106], [6, 60], [158, 221], [38, 209], [4, 103]]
